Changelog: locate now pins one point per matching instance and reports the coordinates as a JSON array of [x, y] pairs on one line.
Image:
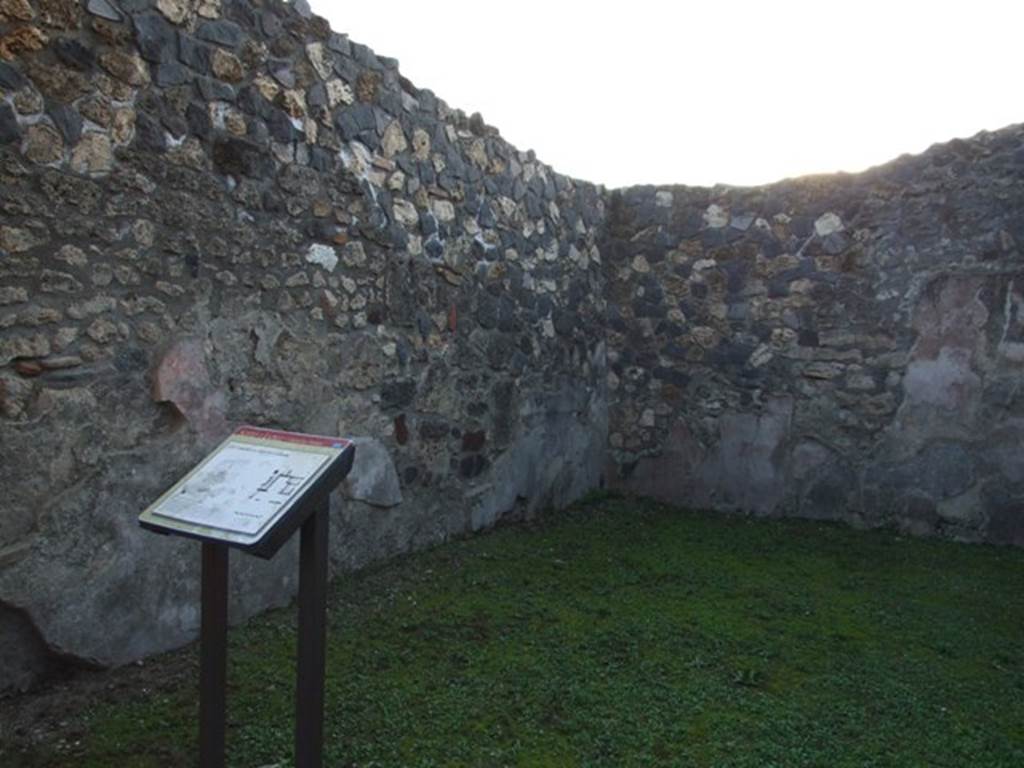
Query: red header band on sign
[[292, 437]]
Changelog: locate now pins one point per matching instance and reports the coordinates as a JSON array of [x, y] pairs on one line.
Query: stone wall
[[216, 212], [837, 347]]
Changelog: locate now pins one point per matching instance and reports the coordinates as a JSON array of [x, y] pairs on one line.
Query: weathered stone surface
[[94, 155], [18, 239], [373, 479], [36, 345]]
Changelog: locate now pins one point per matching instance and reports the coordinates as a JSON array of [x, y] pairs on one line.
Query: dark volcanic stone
[[74, 54], [199, 123], [433, 430], [487, 311], [473, 465], [321, 160], [434, 247], [672, 376], [282, 72], [215, 90], [157, 39], [194, 54], [280, 126], [67, 120], [238, 157], [103, 9], [10, 78], [347, 125], [170, 73], [225, 33], [339, 44], [270, 24], [397, 394], [149, 134], [240, 11], [9, 131], [317, 96]]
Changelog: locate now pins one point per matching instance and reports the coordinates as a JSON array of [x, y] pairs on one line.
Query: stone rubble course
[[217, 212]]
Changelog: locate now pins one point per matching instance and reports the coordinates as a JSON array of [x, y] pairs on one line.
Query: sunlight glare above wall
[[703, 93]]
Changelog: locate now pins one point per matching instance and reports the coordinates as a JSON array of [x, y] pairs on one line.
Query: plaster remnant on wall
[[323, 255], [373, 479], [827, 224], [716, 217]]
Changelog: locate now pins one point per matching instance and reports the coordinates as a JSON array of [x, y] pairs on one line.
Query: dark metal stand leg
[[309, 688], [213, 656]]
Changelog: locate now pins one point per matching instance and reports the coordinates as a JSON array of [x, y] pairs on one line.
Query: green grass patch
[[624, 633]]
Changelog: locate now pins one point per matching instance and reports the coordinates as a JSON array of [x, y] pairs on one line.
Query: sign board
[[253, 490]]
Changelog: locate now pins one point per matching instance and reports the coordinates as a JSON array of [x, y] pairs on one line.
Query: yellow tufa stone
[[21, 40], [60, 14], [93, 156], [209, 9], [393, 141], [175, 10], [293, 102], [227, 66], [15, 10], [123, 128], [43, 144], [320, 60], [128, 68], [421, 144], [267, 87]]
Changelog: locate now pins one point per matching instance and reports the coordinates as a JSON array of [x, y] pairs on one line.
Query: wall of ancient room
[[843, 347], [221, 212]]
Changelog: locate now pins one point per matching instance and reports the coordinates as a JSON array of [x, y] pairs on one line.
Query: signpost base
[[213, 655], [309, 686]]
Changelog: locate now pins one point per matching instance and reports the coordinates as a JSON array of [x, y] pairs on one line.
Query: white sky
[[641, 91]]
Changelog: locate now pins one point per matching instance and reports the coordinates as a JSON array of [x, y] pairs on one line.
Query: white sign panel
[[246, 485]]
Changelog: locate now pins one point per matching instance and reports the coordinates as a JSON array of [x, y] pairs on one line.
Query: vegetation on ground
[[621, 633]]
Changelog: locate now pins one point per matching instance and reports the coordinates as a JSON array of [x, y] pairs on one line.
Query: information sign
[[248, 486]]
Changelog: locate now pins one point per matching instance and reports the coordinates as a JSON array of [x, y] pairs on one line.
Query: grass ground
[[620, 634]]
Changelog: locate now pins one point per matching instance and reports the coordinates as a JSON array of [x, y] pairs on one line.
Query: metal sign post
[[252, 493]]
